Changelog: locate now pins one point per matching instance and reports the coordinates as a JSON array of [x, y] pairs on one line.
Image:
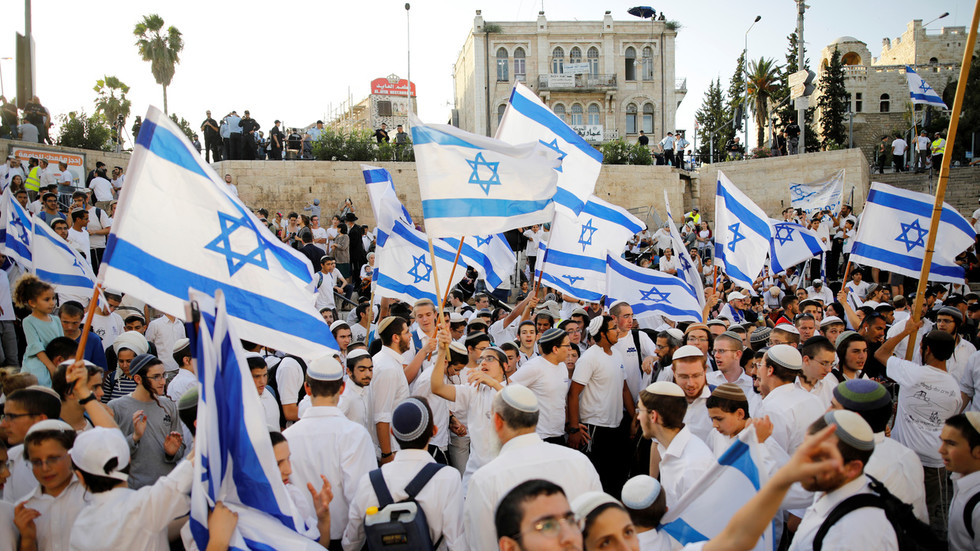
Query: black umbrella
[[645, 12]]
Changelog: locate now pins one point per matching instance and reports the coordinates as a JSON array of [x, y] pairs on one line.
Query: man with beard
[[689, 368], [873, 328], [355, 402], [667, 342], [389, 387]]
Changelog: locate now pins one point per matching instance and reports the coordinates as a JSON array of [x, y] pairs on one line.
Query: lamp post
[[745, 103], [801, 65], [2, 59], [408, 52], [936, 19]]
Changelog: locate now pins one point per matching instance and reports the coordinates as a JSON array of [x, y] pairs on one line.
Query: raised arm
[[438, 383]]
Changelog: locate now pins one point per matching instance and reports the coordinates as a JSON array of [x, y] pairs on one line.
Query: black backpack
[[971, 504], [400, 526], [275, 384], [912, 534]]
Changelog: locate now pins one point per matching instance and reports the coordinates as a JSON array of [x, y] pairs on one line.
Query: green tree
[[85, 132], [788, 111], [833, 104], [184, 126], [161, 50], [711, 128], [736, 93], [112, 101], [763, 83]]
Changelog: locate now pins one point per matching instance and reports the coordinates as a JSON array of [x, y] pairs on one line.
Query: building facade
[[385, 104], [607, 79]]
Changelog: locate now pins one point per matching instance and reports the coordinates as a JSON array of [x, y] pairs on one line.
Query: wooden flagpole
[[435, 277], [87, 328], [452, 274], [937, 208], [551, 232]]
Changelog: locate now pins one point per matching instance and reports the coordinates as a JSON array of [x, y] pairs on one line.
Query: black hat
[[350, 217]]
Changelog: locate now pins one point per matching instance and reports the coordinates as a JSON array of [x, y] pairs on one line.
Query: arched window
[[594, 114], [648, 63], [630, 63], [557, 61], [520, 69], [575, 55], [500, 111], [502, 63], [884, 104], [933, 61], [631, 118], [648, 118], [576, 114], [593, 61], [559, 110]]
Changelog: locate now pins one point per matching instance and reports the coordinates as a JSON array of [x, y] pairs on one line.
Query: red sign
[[382, 86]]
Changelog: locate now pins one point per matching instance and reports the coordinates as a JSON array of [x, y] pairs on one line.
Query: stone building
[[879, 94], [385, 104], [608, 79]]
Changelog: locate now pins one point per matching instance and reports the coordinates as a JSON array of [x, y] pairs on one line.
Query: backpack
[[274, 384], [400, 526], [912, 534], [971, 504]]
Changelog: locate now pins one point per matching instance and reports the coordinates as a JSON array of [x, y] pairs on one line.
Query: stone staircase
[[962, 190]]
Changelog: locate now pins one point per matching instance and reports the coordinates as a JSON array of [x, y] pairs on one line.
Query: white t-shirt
[[922, 143], [324, 288], [98, 219], [320, 233], [601, 401], [102, 188], [899, 146], [547, 381], [929, 396], [532, 242], [65, 178], [976, 216], [672, 263], [79, 240]]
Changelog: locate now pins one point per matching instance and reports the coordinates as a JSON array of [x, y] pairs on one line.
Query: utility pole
[[800, 102]]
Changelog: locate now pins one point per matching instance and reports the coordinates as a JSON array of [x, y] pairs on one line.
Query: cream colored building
[[608, 79]]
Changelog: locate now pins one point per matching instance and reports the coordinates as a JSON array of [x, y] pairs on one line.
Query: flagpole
[[937, 208], [548, 248], [87, 328], [435, 276], [452, 274]]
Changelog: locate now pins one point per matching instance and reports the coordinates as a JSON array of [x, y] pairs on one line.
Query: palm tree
[[161, 50], [763, 83], [108, 102]]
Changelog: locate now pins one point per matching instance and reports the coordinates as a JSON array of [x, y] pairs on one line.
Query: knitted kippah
[[409, 420], [862, 395], [552, 335], [852, 429], [729, 391], [640, 492], [760, 335]]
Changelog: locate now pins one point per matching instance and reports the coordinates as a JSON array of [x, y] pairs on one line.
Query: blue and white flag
[[895, 227], [742, 233], [384, 202], [651, 292], [404, 266], [792, 244], [574, 259], [60, 264], [235, 463], [920, 91], [179, 227], [739, 473], [819, 196], [468, 181], [19, 226], [689, 271], [528, 119], [491, 255]]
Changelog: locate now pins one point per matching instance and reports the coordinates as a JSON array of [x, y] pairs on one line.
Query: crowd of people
[[552, 423], [32, 124]]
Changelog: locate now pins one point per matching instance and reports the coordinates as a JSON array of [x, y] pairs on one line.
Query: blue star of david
[[589, 229], [736, 237], [685, 265], [924, 87], [222, 244], [421, 270], [572, 279], [77, 264], [481, 241], [21, 230], [784, 233], [554, 147], [909, 242], [494, 179], [654, 295]]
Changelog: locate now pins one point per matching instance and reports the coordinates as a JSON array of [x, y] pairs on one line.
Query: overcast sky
[[293, 60]]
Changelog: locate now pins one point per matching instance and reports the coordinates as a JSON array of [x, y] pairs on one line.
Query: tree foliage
[[161, 50], [833, 103], [763, 84], [111, 100], [621, 152], [788, 109], [736, 91], [184, 126], [358, 145], [711, 127], [85, 132]]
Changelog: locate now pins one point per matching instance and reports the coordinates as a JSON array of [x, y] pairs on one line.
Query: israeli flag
[[819, 196], [179, 227], [739, 473], [651, 292], [19, 226], [235, 463], [792, 244], [920, 91], [490, 255], [404, 266], [60, 264], [469, 181], [528, 119], [574, 259], [742, 233], [894, 230], [384, 202], [689, 271]]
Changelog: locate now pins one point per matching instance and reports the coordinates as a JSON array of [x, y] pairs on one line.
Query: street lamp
[[936, 19], [745, 103], [408, 52], [2, 93]]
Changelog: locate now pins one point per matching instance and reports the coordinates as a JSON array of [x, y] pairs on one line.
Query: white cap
[[974, 418], [617, 303], [687, 351], [585, 503], [871, 303], [735, 295], [640, 492], [520, 398], [325, 368], [94, 448], [338, 323], [817, 282], [786, 356], [665, 388], [787, 327], [830, 320]]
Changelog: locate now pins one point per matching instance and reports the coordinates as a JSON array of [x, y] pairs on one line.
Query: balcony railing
[[576, 82]]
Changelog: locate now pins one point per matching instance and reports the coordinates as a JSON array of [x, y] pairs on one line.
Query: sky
[[297, 63]]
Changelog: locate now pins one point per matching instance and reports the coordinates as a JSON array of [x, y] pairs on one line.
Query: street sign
[[801, 83]]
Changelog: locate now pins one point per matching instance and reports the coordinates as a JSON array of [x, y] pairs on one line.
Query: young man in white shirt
[[545, 375], [355, 402], [99, 226], [102, 189], [960, 450], [790, 409], [669, 263], [185, 378], [164, 332], [534, 236], [389, 386], [77, 234], [271, 410], [898, 153]]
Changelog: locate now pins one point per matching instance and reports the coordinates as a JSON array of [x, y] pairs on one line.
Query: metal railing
[[563, 82]]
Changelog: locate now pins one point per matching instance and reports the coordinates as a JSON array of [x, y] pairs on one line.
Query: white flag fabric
[[468, 181], [920, 91], [179, 227], [688, 271], [60, 264], [742, 233], [235, 463], [491, 255], [894, 229], [574, 259], [651, 292], [738, 474], [404, 266], [19, 227], [819, 196], [792, 244], [528, 119], [384, 201]]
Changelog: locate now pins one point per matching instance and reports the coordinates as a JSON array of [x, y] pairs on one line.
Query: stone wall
[[962, 189]]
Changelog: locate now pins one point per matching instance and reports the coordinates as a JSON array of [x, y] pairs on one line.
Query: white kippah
[[325, 369], [830, 320], [851, 429], [640, 492], [787, 327], [595, 325], [688, 351], [974, 418], [585, 503], [458, 347], [617, 303], [338, 323], [520, 398], [665, 388], [786, 356], [50, 424], [360, 352], [676, 333]]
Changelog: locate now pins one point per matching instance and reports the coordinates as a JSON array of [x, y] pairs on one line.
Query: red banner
[[382, 86]]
